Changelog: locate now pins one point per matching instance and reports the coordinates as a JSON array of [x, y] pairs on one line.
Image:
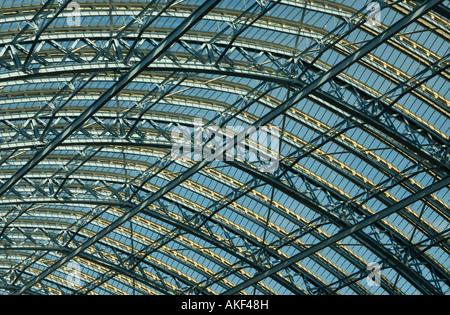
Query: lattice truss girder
[[349, 149]]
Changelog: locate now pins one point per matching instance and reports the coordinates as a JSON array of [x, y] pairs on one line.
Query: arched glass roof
[[319, 139]]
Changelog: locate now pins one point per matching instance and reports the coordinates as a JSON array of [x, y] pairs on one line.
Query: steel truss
[[88, 177]]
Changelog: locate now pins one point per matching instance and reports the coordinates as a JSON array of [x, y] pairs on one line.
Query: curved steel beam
[[212, 218], [326, 98], [350, 60]]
